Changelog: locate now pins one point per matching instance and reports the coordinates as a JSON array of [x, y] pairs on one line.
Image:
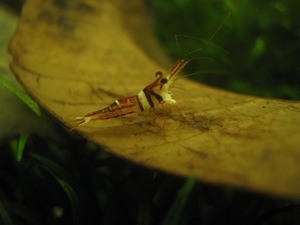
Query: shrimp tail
[[83, 119]]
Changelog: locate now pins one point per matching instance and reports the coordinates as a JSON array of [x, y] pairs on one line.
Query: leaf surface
[[75, 57]]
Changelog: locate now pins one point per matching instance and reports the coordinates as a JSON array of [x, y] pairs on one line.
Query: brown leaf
[[75, 57]]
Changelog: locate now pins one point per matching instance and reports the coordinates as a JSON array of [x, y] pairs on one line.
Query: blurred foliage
[[21, 95], [70, 181], [14, 4], [261, 39]]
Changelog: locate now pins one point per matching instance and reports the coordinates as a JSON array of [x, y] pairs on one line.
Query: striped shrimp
[[158, 92]]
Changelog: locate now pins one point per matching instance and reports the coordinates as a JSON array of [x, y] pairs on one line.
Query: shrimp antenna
[[206, 42]]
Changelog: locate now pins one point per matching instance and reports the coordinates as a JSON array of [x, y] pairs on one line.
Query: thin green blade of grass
[[176, 211], [64, 181], [4, 215], [22, 96], [18, 146], [21, 145], [23, 212], [71, 193]]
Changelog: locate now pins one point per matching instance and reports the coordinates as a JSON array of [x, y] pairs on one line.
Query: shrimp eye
[[164, 80], [158, 73]]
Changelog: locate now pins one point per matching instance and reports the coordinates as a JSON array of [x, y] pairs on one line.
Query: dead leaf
[[75, 57]]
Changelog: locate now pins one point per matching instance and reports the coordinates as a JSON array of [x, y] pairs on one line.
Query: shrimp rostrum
[[158, 92]]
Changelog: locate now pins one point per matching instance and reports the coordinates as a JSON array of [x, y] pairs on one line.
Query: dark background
[[261, 40]]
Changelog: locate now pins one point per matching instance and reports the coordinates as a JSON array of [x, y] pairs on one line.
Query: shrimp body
[[157, 92], [150, 97]]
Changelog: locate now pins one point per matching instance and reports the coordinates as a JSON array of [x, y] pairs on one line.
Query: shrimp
[[157, 92]]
